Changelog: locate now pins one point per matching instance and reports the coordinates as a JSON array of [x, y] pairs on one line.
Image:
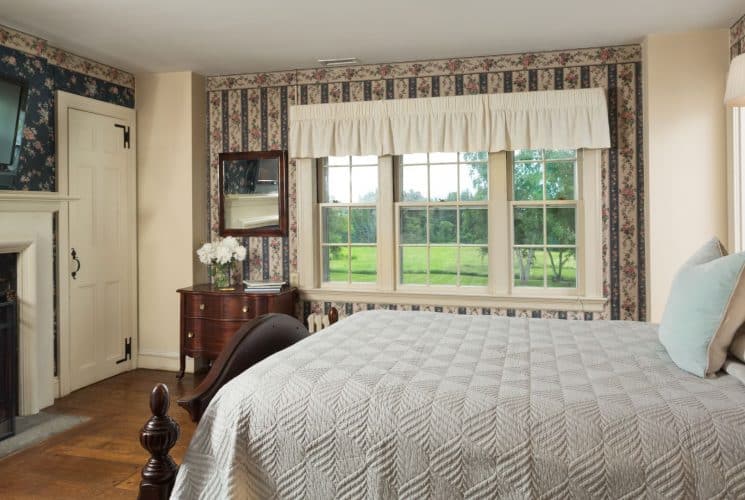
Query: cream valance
[[487, 122]]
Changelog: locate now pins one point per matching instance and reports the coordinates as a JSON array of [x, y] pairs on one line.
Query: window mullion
[[387, 224], [545, 221], [545, 244], [349, 235], [498, 217]]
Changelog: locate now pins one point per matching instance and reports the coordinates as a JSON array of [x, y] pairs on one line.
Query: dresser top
[[208, 289]]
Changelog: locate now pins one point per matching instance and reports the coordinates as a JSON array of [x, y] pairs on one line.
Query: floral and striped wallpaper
[[44, 69], [737, 38], [249, 112]]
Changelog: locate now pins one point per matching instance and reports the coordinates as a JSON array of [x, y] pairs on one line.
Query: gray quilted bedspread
[[431, 405]]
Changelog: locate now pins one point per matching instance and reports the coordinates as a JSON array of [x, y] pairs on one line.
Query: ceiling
[[240, 36]]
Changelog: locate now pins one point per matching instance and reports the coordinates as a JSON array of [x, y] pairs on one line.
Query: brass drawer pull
[[201, 307], [190, 335], [245, 309]]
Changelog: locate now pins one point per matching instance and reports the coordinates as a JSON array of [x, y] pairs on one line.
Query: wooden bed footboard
[[158, 436], [253, 342]]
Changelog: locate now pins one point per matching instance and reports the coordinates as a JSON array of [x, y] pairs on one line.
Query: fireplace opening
[[8, 344]]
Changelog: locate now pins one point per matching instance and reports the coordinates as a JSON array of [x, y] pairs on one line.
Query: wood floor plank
[[102, 457]]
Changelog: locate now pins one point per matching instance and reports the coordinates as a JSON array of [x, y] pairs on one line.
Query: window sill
[[542, 302]]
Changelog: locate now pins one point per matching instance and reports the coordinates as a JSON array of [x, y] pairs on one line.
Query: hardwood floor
[[102, 457]]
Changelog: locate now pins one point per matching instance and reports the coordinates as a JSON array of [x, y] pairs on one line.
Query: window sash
[[321, 165], [428, 162], [428, 245]]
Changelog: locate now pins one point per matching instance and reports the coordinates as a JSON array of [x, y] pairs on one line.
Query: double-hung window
[[544, 201], [349, 195], [514, 228], [442, 215]]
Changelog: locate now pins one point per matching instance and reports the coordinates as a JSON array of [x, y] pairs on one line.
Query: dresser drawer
[[193, 336], [208, 337], [202, 306], [242, 307]]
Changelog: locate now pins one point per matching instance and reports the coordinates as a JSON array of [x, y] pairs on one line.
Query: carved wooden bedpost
[[158, 436]]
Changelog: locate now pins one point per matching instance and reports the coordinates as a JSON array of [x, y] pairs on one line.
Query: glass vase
[[222, 276]]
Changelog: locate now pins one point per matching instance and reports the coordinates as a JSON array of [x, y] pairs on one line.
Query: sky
[[443, 177]]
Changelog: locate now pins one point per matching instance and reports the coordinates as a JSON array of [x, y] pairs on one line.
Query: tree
[[474, 223], [362, 225], [561, 231]]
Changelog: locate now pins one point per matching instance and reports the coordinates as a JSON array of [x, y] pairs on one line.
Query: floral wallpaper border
[[38, 47], [249, 112], [512, 62], [737, 38], [304, 308]]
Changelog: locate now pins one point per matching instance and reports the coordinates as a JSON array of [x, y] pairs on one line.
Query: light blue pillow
[[705, 308]]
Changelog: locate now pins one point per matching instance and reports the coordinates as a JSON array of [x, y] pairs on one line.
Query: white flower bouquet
[[220, 255]]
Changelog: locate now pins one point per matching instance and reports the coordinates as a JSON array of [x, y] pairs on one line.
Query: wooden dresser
[[210, 317]]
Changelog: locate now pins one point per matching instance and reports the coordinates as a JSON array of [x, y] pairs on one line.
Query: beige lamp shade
[[735, 95]]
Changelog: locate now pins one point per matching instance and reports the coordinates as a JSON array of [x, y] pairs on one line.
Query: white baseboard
[[155, 360]]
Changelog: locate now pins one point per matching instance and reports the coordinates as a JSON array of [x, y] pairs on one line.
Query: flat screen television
[[12, 96]]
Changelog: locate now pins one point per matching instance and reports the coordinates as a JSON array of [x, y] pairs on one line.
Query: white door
[[101, 239]]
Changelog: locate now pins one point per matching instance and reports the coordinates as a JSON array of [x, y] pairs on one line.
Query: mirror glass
[[252, 194]]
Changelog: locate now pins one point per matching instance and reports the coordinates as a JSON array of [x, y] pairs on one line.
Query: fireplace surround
[[26, 230]]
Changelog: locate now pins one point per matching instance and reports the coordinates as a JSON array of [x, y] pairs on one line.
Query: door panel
[[83, 356], [101, 310], [112, 320]]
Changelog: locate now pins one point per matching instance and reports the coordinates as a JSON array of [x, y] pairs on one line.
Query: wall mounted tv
[[12, 103]]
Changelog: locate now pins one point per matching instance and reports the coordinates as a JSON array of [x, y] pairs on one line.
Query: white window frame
[[736, 179], [500, 291]]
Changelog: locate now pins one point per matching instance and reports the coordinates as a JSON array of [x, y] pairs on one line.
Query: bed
[[388, 404]]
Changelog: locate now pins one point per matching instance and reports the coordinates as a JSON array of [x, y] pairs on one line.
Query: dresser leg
[[182, 366]]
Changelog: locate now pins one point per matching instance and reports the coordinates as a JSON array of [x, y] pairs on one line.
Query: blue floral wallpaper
[[36, 168]]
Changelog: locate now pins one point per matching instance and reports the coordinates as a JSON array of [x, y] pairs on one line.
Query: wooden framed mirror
[[253, 193]]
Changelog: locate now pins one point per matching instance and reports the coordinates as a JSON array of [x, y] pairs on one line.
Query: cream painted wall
[[685, 151], [172, 205]]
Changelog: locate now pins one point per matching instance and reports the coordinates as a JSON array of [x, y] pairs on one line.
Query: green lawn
[[474, 267]]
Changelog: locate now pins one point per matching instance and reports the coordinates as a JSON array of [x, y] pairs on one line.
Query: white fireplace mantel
[[32, 201]]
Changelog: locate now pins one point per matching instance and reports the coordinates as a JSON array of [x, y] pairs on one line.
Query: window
[[519, 229], [544, 218], [442, 219], [349, 194]]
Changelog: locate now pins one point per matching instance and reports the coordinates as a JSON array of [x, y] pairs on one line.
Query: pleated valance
[[487, 122]]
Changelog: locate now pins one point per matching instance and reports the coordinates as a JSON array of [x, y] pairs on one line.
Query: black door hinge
[[125, 129], [127, 350]]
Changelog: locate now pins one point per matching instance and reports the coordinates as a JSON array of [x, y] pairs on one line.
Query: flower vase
[[222, 275]]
